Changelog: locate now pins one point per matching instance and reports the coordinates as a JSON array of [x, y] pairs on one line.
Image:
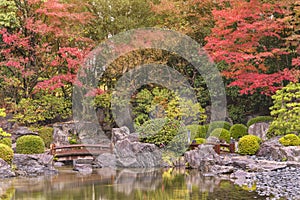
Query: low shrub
[[6, 153], [290, 140], [249, 145], [6, 141], [200, 140], [218, 124], [238, 130], [197, 131], [5, 138], [46, 133], [222, 134], [159, 131], [30, 144], [259, 119]]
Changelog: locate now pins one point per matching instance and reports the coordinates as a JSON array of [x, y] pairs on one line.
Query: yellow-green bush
[[290, 140], [238, 130], [30, 144], [6, 153], [221, 133], [200, 140], [197, 131], [249, 145], [6, 141], [218, 124], [46, 133]]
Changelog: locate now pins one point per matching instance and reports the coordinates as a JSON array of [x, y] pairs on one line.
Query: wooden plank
[[82, 145]]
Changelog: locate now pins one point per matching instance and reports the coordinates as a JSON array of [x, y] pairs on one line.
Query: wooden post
[[232, 147], [52, 149], [217, 148]]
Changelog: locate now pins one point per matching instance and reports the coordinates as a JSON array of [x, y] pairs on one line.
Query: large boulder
[[137, 154], [20, 131], [123, 133], [203, 158], [259, 129], [61, 132], [273, 150], [5, 169], [105, 160], [33, 164]]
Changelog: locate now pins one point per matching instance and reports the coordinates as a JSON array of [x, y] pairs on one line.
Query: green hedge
[[221, 133], [290, 140], [46, 133], [238, 130], [6, 153], [6, 141], [249, 145], [200, 140], [30, 144], [259, 119], [197, 131], [218, 124]]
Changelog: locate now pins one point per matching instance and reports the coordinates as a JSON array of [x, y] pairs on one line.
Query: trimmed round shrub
[[6, 141], [290, 140], [200, 140], [222, 134], [197, 131], [30, 144], [259, 119], [249, 145], [238, 130], [46, 133], [218, 124], [6, 153]]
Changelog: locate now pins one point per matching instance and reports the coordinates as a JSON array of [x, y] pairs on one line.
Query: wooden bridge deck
[[79, 151]]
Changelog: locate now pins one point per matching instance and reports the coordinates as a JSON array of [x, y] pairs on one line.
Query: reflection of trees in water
[[125, 184]]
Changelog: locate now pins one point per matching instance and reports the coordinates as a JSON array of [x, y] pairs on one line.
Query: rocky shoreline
[[274, 172]]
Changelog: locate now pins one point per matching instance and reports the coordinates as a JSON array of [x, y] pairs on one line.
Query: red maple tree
[[248, 37]]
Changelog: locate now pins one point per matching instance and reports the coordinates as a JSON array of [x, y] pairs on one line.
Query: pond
[[124, 184]]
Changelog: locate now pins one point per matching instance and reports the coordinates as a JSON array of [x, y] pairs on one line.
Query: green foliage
[[159, 131], [200, 140], [286, 111], [6, 153], [219, 124], [221, 133], [259, 119], [161, 102], [249, 145], [197, 131], [46, 133], [238, 130], [6, 141], [290, 140], [8, 16], [45, 107], [2, 112], [30, 144]]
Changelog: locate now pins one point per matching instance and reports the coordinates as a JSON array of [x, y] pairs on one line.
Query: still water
[[123, 184]]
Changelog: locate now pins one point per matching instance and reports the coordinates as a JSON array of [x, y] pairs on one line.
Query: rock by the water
[[204, 158], [83, 168], [5, 169], [137, 154], [122, 133], [273, 150], [106, 160], [33, 164], [259, 129]]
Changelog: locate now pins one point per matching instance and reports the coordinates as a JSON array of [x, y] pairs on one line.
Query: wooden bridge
[[79, 151]]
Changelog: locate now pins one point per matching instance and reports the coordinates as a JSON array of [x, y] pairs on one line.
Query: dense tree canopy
[[254, 43]]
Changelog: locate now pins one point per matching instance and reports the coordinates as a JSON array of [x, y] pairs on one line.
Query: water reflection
[[121, 184]]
